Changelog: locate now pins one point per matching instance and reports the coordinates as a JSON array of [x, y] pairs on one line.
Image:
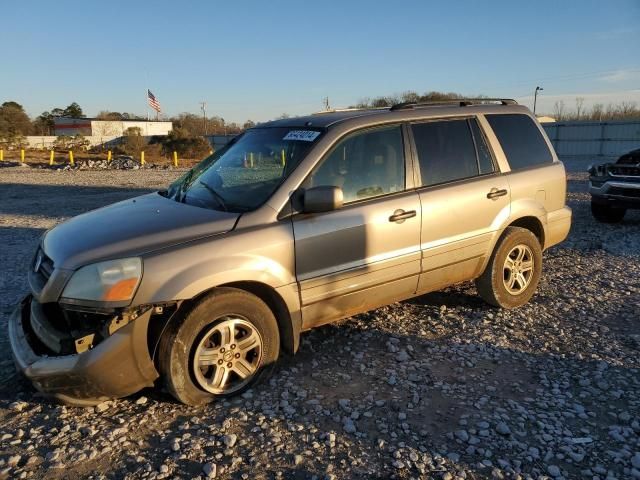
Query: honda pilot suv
[[295, 223]]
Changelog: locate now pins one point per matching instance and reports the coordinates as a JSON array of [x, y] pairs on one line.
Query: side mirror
[[322, 199]]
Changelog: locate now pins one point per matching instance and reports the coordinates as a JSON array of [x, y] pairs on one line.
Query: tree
[[133, 142], [14, 122], [73, 111], [248, 124], [558, 110], [579, 107], [187, 145], [44, 124]]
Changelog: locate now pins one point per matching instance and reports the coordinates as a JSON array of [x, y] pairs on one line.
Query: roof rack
[[463, 102]]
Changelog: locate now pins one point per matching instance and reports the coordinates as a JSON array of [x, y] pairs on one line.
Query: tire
[[607, 213], [227, 317], [495, 282]]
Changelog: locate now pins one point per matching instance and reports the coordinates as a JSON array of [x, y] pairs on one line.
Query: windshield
[[244, 174]]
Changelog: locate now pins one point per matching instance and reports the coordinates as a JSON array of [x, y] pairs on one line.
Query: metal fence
[[604, 140]]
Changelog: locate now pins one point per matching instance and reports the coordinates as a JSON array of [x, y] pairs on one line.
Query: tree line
[[599, 112], [15, 122]]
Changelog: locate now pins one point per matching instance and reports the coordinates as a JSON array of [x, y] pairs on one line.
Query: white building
[[94, 127]]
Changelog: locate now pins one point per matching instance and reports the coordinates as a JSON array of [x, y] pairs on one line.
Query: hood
[[131, 228]]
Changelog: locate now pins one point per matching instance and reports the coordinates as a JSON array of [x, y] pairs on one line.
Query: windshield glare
[[243, 175]]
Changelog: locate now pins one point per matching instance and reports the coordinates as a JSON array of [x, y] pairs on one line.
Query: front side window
[[365, 164], [446, 151], [520, 139], [244, 174]]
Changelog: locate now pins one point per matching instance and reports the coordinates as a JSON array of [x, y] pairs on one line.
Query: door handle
[[400, 215], [495, 193]]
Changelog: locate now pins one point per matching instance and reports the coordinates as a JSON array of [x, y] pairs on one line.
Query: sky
[[256, 60]]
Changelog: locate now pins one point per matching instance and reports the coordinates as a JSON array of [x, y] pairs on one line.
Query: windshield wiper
[[217, 196], [182, 189]]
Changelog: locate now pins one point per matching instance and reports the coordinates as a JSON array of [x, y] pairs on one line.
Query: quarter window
[[485, 160], [521, 140], [366, 164], [446, 151]]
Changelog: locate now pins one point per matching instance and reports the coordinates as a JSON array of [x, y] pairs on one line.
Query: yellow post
[[71, 157], [51, 157], [22, 155], [109, 156], [142, 158], [1, 155], [175, 159], [283, 158], [251, 159]]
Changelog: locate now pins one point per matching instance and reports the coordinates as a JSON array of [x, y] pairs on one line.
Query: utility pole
[[325, 100], [203, 107], [535, 98]]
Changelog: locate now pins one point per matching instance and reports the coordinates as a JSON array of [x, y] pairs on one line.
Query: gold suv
[[295, 223]]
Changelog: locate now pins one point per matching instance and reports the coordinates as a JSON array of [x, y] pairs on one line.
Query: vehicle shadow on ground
[[60, 200]]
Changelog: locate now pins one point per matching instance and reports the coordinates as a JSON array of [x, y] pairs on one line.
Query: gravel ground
[[442, 386]]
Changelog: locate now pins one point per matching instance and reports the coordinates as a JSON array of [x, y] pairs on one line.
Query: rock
[[230, 440], [349, 426], [554, 470], [18, 406], [298, 459], [13, 460], [635, 460], [141, 401], [102, 407], [462, 435], [503, 429], [210, 470]]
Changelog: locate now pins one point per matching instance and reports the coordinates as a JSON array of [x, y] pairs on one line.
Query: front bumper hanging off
[[118, 366]]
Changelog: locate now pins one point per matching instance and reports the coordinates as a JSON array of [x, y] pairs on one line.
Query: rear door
[[464, 199], [367, 253]]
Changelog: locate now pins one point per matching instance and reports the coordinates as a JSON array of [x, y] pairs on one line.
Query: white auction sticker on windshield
[[302, 135]]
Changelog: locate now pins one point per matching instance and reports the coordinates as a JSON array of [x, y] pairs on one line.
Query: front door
[[367, 253]]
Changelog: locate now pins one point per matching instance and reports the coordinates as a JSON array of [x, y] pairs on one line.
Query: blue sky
[[259, 59]]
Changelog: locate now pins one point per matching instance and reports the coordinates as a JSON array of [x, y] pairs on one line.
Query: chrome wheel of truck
[[228, 355], [512, 274], [518, 269], [225, 343]]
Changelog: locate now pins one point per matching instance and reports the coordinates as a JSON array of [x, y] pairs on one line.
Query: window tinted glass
[[445, 151], [521, 140], [485, 160], [364, 165]]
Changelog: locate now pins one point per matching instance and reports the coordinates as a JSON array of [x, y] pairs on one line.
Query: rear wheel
[[607, 213], [513, 271], [226, 343]]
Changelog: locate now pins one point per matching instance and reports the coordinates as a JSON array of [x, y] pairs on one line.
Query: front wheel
[[607, 213], [513, 271], [226, 343]]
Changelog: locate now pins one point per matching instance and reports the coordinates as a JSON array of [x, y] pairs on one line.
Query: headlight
[[111, 281]]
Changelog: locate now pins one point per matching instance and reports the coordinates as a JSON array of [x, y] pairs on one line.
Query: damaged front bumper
[[116, 367]]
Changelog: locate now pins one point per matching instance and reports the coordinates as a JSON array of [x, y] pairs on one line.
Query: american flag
[[153, 101]]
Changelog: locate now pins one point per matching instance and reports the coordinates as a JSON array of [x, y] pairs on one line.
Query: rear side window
[[521, 140], [447, 151]]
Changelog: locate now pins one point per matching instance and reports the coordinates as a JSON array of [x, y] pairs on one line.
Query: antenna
[[327, 107]]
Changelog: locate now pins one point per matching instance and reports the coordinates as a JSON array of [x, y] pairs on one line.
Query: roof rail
[[463, 102]]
